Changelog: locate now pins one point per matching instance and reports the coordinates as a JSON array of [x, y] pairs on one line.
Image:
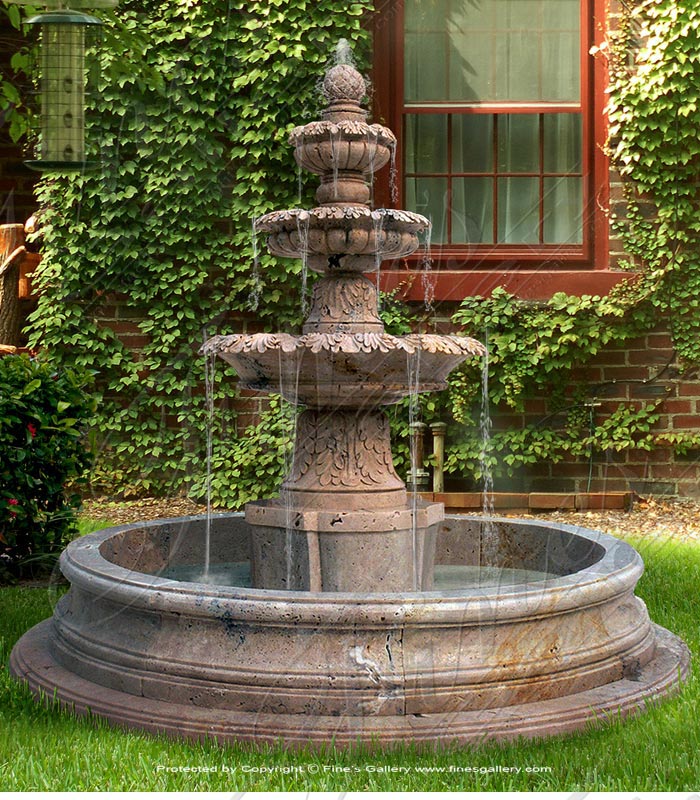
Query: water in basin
[[452, 577]]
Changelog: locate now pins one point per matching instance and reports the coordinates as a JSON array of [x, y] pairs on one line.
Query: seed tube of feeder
[[65, 36]]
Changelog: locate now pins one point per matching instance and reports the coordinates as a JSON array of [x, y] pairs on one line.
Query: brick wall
[[644, 371]]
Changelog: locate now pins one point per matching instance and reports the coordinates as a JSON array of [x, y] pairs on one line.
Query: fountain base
[[545, 637], [34, 661]]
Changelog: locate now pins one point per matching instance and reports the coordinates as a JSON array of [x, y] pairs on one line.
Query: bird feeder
[[66, 48]]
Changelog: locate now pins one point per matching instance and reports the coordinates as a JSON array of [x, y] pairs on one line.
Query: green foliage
[[15, 111], [532, 344], [252, 466], [654, 114], [43, 415], [190, 122]]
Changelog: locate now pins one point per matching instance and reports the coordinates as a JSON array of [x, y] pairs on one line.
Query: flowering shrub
[[43, 413]]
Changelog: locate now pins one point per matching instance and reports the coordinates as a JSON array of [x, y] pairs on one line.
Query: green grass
[[42, 749]]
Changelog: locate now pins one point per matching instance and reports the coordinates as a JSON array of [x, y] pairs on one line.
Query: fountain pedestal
[[343, 521]]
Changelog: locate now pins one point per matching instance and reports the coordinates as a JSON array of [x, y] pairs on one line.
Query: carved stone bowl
[[324, 147], [343, 370], [545, 638], [357, 236]]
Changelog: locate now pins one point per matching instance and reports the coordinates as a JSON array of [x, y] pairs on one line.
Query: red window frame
[[535, 271]]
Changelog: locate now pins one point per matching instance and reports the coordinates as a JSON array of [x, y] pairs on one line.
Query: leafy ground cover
[[47, 750]]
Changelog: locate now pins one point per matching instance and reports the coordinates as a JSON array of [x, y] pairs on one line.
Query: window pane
[[472, 143], [518, 143], [428, 196], [562, 143], [425, 67], [518, 210], [563, 204], [471, 65], [517, 66], [428, 15], [426, 143], [492, 50], [560, 67], [472, 210], [562, 15]]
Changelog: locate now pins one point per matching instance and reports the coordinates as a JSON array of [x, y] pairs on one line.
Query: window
[[499, 128]]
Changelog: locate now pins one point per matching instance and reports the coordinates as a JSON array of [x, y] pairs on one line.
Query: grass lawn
[[43, 749]]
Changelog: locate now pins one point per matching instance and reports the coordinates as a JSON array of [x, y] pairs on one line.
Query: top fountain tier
[[343, 233]]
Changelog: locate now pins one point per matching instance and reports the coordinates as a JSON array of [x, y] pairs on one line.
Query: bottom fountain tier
[[542, 637]]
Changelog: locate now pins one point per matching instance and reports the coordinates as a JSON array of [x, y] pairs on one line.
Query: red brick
[[545, 500], [135, 342], [648, 356], [681, 421], [579, 470], [460, 499], [123, 327], [586, 374], [660, 340], [606, 485], [673, 406], [627, 470], [625, 373], [603, 500], [504, 422], [535, 405], [687, 471], [613, 358], [689, 389]]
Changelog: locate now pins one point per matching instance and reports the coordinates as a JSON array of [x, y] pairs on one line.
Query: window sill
[[454, 286]]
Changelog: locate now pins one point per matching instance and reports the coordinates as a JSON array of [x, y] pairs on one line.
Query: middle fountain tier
[[343, 521]]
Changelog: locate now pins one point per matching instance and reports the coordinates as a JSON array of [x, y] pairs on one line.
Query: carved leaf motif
[[338, 342], [342, 450], [288, 219], [349, 129]]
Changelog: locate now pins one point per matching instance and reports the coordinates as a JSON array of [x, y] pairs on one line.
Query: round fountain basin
[[531, 629]]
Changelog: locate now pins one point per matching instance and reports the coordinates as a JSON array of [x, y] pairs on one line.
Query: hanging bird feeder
[[67, 40]]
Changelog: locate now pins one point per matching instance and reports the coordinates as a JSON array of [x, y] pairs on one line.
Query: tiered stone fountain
[[353, 528], [348, 609]]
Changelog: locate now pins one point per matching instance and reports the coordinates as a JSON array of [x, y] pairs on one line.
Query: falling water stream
[[393, 175], [256, 288], [209, 379], [489, 539], [413, 365], [303, 222]]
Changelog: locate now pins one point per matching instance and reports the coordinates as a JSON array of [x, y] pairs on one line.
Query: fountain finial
[[343, 83], [343, 86]]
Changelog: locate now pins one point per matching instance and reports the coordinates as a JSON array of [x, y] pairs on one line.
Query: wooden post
[[12, 252]]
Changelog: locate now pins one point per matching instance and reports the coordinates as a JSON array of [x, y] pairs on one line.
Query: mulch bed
[[659, 518]]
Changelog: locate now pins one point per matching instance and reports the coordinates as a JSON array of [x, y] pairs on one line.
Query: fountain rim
[[618, 569]]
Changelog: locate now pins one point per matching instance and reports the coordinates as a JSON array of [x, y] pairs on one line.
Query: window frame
[[481, 260]]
